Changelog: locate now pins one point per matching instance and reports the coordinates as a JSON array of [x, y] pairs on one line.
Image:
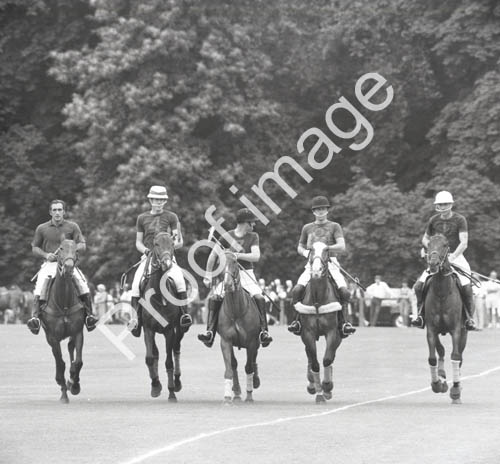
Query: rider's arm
[[36, 246], [39, 252], [339, 247], [302, 251], [139, 244], [251, 257], [425, 240], [462, 246], [79, 239]]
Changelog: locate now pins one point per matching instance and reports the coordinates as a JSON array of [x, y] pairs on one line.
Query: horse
[[63, 317], [161, 315], [238, 325], [443, 314], [319, 318]]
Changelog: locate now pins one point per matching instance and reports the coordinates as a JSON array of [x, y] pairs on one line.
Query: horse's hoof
[[227, 401], [172, 399], [74, 388], [444, 387], [248, 399], [437, 386], [327, 395], [311, 390], [64, 399], [177, 386], [327, 387], [156, 389], [457, 401], [237, 399], [320, 399], [455, 394], [256, 381]]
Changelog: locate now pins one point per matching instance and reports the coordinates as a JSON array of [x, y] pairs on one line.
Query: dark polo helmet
[[320, 202], [245, 215]]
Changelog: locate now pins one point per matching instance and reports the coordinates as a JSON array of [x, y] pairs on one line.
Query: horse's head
[[318, 259], [231, 272], [163, 246], [67, 257], [437, 253]]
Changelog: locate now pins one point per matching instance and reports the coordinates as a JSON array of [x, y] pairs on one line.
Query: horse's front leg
[[236, 379], [438, 386], [169, 363], [60, 367], [76, 364], [250, 372], [227, 354], [332, 343], [441, 352], [458, 338], [152, 361], [177, 359], [312, 356]]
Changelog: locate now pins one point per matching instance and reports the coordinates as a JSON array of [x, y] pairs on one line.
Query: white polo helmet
[[444, 201], [158, 191]]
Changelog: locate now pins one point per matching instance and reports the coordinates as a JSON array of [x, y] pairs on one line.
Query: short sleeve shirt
[[450, 228], [151, 224], [328, 233], [48, 236], [246, 242]]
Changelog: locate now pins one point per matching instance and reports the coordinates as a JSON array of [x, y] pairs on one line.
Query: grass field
[[382, 410]]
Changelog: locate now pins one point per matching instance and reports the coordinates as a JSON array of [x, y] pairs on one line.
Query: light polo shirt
[[48, 236]]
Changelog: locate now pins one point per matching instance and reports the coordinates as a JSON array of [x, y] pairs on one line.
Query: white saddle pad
[[328, 308]]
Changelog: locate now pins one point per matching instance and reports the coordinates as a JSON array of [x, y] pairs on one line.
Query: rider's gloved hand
[[305, 253], [423, 253], [207, 282], [147, 251], [51, 257]]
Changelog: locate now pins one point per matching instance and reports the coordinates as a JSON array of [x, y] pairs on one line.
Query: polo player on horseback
[[150, 223], [330, 233], [454, 227], [46, 242], [245, 245]]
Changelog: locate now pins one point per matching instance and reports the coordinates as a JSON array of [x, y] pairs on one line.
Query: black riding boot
[[345, 327], [264, 336], [34, 323], [186, 321], [214, 305], [466, 291], [90, 320], [135, 329], [419, 321], [297, 294]]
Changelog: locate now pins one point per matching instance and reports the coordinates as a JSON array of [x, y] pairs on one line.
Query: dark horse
[[319, 318], [443, 314], [63, 317], [238, 325], [162, 315]]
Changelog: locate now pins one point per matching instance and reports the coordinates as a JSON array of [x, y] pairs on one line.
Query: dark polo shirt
[[48, 236]]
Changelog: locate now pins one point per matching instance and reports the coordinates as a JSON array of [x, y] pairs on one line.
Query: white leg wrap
[[228, 388], [317, 383], [250, 382], [177, 363], [455, 365], [434, 373], [441, 364]]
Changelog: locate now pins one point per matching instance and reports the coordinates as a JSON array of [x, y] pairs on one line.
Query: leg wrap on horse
[[418, 288], [264, 336], [90, 320], [214, 304], [186, 321]]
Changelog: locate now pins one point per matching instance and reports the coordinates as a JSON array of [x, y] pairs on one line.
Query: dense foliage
[[100, 100]]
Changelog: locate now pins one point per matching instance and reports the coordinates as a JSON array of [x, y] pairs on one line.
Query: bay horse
[[238, 325], [443, 314], [161, 315], [318, 315], [63, 317]]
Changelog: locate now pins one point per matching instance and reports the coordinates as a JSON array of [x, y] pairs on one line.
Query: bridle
[[442, 259], [232, 276], [318, 256], [165, 257]]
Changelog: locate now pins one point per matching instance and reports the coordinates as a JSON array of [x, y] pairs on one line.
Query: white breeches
[[50, 269], [247, 280], [461, 262], [175, 273], [337, 276]]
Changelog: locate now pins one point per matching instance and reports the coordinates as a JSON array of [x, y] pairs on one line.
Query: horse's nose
[[167, 264], [69, 265]]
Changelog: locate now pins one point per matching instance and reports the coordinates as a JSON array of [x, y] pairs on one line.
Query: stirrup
[[34, 325], [185, 322], [264, 338], [207, 338], [417, 322], [91, 322], [347, 329], [295, 327]]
